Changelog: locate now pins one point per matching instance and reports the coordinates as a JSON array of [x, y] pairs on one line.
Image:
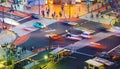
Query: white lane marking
[[24, 18]]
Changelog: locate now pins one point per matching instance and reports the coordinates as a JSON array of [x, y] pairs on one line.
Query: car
[[102, 29], [70, 23], [84, 30], [35, 16], [39, 25], [54, 36], [72, 36], [86, 36], [97, 46], [115, 30]]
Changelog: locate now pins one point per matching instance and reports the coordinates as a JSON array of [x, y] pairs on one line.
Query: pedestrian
[[62, 7], [102, 15], [97, 15], [52, 15], [18, 55], [24, 49], [32, 48], [109, 15], [12, 9], [56, 17], [60, 14], [18, 5], [47, 13], [48, 10], [43, 13], [92, 15], [0, 30]]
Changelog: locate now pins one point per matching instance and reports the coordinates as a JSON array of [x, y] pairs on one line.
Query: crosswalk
[[27, 27], [83, 43]]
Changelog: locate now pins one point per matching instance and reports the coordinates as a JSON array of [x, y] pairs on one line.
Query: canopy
[[54, 52], [94, 63]]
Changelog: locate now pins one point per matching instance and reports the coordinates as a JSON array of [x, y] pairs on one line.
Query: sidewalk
[[105, 20], [7, 37], [79, 9], [6, 9]]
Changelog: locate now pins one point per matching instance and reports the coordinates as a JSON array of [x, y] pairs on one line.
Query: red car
[[54, 37], [97, 46]]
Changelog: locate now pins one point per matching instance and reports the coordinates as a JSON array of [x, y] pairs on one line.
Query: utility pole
[[69, 11], [2, 13], [39, 7]]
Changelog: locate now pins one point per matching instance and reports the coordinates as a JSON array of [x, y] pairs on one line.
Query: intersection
[[35, 38]]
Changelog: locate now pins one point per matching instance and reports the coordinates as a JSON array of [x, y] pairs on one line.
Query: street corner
[[70, 19], [21, 40]]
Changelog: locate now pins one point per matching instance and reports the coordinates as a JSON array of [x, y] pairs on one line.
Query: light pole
[[69, 11], [2, 13], [39, 7]]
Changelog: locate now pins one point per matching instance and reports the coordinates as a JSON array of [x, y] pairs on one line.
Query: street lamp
[[69, 11], [2, 14], [39, 7]]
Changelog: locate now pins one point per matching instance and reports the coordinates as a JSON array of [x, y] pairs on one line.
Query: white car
[[72, 36], [114, 30], [70, 23], [84, 30], [86, 36]]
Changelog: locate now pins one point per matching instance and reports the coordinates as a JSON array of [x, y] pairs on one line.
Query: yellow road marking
[[8, 32]]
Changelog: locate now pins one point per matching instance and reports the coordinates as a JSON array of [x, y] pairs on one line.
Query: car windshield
[[39, 23]]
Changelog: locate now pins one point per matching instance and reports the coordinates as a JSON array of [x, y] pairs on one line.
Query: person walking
[[52, 15], [43, 13], [18, 55], [60, 14], [32, 48], [62, 7], [92, 15], [24, 49], [47, 13]]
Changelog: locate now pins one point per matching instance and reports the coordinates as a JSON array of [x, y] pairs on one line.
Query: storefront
[[65, 1]]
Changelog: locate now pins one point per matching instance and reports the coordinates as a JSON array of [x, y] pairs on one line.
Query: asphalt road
[[38, 39], [89, 25], [110, 42]]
